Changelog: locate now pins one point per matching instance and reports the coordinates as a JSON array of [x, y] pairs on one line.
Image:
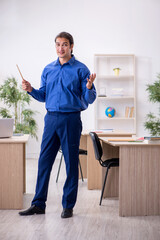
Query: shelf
[[109, 77], [112, 98], [115, 118], [118, 92], [113, 55]]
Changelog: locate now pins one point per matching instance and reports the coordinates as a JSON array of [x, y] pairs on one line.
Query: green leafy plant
[[16, 100], [153, 122], [116, 69]]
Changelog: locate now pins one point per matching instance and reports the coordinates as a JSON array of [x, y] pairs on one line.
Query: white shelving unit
[[108, 83]]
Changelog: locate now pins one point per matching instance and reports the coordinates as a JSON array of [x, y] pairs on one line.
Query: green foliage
[[154, 90], [5, 113], [29, 125], [152, 122], [16, 99]]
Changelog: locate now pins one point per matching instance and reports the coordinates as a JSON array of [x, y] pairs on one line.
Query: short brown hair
[[66, 35]]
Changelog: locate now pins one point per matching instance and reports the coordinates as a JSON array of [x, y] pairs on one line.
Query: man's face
[[63, 48]]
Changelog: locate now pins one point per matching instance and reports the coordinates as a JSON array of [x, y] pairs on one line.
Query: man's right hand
[[26, 86]]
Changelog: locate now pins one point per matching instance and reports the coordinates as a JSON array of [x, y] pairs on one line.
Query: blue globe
[[110, 112]]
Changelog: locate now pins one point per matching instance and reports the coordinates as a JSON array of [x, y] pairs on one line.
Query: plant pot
[[116, 71]]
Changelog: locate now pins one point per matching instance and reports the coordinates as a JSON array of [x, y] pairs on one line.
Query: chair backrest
[[96, 145]]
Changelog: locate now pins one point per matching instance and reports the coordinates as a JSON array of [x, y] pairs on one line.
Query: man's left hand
[[90, 80]]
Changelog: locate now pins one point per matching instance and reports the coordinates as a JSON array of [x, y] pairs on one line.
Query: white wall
[[28, 29]]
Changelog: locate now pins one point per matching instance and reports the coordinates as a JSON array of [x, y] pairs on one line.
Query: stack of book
[[154, 140], [117, 92]]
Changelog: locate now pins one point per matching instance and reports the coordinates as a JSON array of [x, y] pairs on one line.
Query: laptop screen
[[6, 127]]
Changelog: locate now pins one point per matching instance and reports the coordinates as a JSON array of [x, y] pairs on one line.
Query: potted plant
[[116, 71], [16, 100], [153, 122]]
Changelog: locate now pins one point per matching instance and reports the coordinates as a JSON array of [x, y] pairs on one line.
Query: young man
[[67, 89]]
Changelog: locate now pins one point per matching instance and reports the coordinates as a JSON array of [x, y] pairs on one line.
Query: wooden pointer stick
[[20, 72]]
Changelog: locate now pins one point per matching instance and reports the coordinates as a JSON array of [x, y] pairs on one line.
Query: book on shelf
[[129, 112], [117, 92], [102, 95]]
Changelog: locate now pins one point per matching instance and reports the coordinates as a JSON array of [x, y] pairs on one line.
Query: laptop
[[6, 127]]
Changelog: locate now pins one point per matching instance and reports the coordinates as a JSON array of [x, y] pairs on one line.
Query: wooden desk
[[139, 177], [12, 171], [90, 166]]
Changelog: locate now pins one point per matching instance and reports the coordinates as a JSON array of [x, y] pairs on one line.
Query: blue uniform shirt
[[63, 87]]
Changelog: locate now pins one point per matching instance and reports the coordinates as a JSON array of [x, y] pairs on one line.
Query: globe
[[110, 112]]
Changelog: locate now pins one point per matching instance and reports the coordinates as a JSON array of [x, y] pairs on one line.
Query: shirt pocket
[[71, 82]]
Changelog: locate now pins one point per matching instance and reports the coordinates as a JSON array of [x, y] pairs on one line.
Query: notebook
[[6, 127]]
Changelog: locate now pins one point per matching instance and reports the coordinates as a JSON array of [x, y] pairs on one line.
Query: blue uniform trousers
[[61, 129]]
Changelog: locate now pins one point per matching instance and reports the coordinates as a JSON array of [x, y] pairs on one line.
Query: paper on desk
[[120, 139]]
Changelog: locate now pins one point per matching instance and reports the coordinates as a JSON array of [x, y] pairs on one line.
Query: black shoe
[[67, 213], [32, 210]]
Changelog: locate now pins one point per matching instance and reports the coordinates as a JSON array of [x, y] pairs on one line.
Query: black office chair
[[113, 162], [81, 152]]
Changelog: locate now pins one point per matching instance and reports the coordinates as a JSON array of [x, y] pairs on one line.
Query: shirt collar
[[70, 62]]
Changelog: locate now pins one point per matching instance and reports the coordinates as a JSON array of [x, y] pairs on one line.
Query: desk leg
[[139, 189]]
